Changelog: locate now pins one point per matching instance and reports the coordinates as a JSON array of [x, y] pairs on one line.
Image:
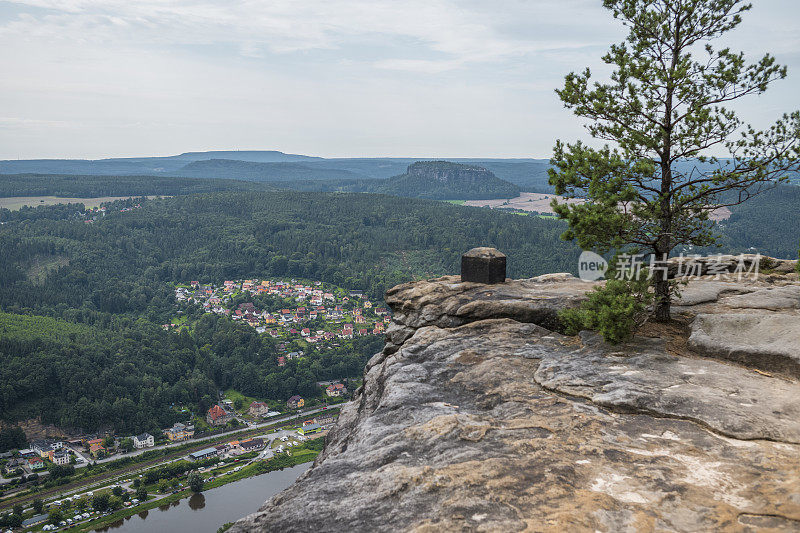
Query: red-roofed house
[[217, 416], [95, 446], [337, 389]]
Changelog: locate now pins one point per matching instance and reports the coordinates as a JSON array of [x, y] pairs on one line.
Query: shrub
[[614, 310]]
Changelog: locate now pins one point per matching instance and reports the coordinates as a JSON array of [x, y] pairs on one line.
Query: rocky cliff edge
[[479, 416]]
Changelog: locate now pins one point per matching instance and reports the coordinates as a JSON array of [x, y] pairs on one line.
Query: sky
[[332, 78]]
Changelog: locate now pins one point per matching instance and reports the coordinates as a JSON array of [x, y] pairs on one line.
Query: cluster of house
[[179, 432], [313, 302], [53, 450], [315, 425], [93, 213], [35, 456], [234, 447], [58, 452]]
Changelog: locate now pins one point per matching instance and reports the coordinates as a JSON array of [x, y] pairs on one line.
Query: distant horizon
[[423, 157], [103, 79]]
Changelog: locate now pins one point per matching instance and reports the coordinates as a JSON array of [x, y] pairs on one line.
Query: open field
[[534, 201], [526, 201], [16, 202]]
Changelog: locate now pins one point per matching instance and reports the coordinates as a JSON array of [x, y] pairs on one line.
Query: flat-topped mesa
[[479, 416]]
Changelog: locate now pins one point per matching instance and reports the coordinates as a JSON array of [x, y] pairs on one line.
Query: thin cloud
[[379, 77]]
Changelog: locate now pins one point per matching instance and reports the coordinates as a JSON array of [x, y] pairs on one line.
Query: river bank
[[209, 510], [257, 469]]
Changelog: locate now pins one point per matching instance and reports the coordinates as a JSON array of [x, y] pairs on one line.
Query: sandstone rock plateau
[[479, 416]]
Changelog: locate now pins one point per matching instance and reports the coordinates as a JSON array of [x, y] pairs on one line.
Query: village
[[301, 316], [93, 214], [43, 454], [265, 439], [312, 312]]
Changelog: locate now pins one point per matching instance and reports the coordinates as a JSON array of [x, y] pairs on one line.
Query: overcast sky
[[418, 78]]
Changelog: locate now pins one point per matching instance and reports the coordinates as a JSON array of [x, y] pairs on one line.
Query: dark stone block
[[483, 265]]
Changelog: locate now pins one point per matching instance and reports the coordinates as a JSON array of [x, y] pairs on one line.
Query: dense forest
[[81, 343], [81, 303], [130, 374], [121, 263], [768, 223], [83, 186]]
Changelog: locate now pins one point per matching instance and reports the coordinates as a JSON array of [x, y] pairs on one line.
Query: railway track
[[131, 469]]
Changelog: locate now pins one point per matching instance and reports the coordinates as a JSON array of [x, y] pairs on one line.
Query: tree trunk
[[662, 300]]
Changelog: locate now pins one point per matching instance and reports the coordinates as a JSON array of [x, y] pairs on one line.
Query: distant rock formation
[[479, 416], [443, 180]]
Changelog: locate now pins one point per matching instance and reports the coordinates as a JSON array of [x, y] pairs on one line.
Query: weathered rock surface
[[642, 376], [770, 342], [478, 416], [447, 302], [756, 324]]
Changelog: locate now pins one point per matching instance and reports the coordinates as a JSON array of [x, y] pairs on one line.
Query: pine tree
[[665, 104]]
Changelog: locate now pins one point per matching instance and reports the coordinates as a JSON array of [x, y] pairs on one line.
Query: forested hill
[[768, 223], [446, 180], [265, 172], [529, 174], [82, 303], [360, 241], [90, 186]]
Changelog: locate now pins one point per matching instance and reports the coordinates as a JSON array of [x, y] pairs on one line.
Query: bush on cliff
[[614, 310]]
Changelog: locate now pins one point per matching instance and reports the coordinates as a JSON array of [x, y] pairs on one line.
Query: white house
[[61, 457], [145, 440]]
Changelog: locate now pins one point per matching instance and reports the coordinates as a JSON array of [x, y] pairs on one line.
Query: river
[[209, 510]]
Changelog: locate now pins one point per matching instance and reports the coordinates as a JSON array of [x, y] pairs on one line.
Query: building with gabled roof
[[217, 416], [144, 440], [258, 409], [295, 402]]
